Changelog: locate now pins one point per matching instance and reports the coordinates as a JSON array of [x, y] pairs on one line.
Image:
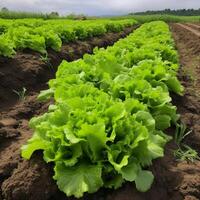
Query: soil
[[191, 28], [195, 26], [29, 70], [31, 180]]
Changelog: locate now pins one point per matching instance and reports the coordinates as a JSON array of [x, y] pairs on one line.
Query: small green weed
[[184, 152], [46, 60], [21, 94]]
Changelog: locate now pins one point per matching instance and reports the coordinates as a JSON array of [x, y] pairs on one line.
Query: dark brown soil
[[189, 105], [27, 69], [174, 180]]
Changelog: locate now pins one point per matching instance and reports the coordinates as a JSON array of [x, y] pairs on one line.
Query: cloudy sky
[[96, 7]]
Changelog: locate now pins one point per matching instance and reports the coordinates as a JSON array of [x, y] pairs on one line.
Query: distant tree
[[54, 14], [4, 9]]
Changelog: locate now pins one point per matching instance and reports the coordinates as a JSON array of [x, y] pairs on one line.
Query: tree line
[[179, 12]]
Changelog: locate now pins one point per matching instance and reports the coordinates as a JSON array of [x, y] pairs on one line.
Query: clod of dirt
[[6, 133], [31, 180], [8, 122]]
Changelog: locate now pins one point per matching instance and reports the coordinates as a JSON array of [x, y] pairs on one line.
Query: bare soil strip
[[196, 32], [189, 106], [194, 26]]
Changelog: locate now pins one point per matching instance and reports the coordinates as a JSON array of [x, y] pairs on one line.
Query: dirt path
[[188, 46], [194, 26], [189, 28]]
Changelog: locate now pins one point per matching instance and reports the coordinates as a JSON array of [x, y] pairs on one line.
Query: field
[[166, 18], [163, 17], [119, 118]]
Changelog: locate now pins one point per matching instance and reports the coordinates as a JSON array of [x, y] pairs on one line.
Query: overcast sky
[[96, 7]]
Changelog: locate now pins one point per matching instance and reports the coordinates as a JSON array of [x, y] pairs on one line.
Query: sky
[[96, 7]]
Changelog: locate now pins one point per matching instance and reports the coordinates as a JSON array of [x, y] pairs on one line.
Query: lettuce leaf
[[78, 179]]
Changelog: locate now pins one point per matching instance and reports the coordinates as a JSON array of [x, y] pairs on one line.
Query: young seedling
[[181, 133], [184, 152], [21, 94], [46, 60]]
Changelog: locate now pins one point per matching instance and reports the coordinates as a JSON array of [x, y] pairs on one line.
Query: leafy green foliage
[[111, 108], [6, 46], [78, 179], [39, 35], [144, 180]]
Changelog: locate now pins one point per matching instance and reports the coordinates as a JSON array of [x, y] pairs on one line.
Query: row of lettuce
[[110, 112], [39, 35]]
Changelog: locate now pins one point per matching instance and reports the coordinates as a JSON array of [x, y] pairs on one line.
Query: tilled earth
[[30, 70], [32, 180]]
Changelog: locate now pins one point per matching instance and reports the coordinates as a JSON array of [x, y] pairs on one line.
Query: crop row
[[39, 35], [110, 112]]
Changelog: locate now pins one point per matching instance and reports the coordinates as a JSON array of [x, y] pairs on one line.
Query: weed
[[184, 152], [46, 60], [181, 133], [21, 94]]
